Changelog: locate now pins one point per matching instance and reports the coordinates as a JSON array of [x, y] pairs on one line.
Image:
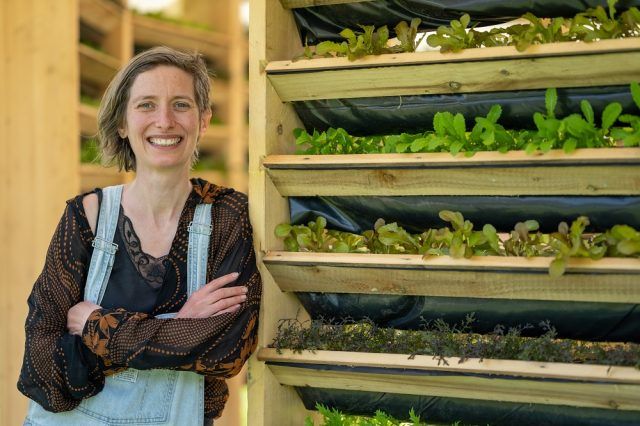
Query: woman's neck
[[158, 197]]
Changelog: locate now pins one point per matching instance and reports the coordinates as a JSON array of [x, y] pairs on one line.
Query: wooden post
[[39, 128]]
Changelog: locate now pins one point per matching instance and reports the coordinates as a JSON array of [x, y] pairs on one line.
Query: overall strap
[[199, 233], [104, 250]]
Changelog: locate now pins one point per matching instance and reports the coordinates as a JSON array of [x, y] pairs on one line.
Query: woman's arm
[[57, 371], [217, 346]]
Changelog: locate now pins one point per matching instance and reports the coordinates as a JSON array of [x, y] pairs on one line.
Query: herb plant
[[443, 340], [334, 417], [369, 41], [591, 25], [451, 134], [461, 240]]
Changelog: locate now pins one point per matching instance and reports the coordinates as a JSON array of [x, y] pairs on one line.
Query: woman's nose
[[164, 118]]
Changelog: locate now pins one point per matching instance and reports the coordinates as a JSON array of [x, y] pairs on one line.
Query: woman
[[150, 120]]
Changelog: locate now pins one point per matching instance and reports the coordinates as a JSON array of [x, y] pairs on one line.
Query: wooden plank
[[39, 162], [461, 77], [152, 32], [272, 34], [609, 280], [215, 139], [516, 368], [295, 4], [88, 119], [602, 156], [102, 15], [474, 180], [630, 44], [97, 67], [586, 394], [95, 176], [608, 265]]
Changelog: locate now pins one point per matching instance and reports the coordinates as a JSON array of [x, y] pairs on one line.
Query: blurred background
[[57, 59]]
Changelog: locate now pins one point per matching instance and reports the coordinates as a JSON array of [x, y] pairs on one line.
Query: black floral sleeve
[[56, 371]]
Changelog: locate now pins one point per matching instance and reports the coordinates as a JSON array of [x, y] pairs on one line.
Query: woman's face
[[162, 121]]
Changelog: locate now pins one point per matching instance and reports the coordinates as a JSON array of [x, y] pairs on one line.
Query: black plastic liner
[[325, 22], [414, 114], [617, 322], [467, 411], [417, 213]]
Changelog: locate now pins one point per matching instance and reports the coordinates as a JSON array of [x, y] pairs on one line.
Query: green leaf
[[419, 144], [610, 115], [569, 145], [531, 225], [459, 125], [635, 93], [455, 218], [456, 147], [494, 113], [628, 247], [283, 230], [550, 101], [624, 232], [587, 111], [465, 19], [557, 267]]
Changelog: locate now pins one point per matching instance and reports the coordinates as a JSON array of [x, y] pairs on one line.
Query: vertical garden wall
[[594, 300]]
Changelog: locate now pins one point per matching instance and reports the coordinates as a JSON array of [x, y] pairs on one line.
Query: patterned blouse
[[59, 369]]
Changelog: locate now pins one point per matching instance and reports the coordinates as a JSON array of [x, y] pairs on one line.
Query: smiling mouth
[[164, 141]]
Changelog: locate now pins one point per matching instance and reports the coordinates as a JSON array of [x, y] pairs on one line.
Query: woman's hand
[[212, 299], [77, 316]]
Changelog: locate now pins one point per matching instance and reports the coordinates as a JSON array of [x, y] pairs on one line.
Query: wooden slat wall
[[271, 123], [38, 130]]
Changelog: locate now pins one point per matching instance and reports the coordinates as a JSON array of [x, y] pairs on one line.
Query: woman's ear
[[205, 119], [122, 133]]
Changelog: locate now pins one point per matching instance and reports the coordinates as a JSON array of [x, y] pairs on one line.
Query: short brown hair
[[113, 107]]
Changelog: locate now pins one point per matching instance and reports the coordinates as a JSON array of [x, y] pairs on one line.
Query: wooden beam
[[152, 32], [88, 119], [578, 179], [97, 67], [530, 391], [103, 15], [503, 367], [610, 280], [600, 156], [96, 176], [631, 44], [460, 77], [39, 162], [295, 4]]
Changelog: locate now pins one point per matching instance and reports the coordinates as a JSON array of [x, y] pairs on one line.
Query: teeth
[[165, 142]]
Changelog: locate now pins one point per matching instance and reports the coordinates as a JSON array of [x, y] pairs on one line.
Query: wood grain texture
[[586, 394], [468, 55], [40, 151], [486, 179], [533, 369], [152, 32], [295, 4], [607, 280], [460, 77]]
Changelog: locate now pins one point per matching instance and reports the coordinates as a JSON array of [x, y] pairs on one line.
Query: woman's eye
[[145, 105], [182, 105]]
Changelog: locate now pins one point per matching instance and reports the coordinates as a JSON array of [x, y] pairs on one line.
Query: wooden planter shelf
[[295, 4], [595, 386], [604, 171], [215, 139], [88, 119], [96, 67], [95, 176], [102, 15], [612, 280], [152, 32], [566, 64]]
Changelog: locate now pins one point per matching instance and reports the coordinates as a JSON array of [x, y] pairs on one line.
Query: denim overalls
[[137, 397]]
